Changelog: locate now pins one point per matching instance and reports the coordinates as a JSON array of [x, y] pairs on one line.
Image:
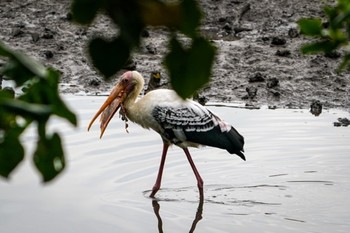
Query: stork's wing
[[192, 122], [188, 117]]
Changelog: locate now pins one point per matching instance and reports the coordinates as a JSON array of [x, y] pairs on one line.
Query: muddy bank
[[258, 61]]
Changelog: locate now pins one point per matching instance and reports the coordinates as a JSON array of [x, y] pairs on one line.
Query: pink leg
[[196, 173], [156, 186]]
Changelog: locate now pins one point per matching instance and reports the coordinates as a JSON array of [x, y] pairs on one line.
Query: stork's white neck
[[138, 83], [131, 104]]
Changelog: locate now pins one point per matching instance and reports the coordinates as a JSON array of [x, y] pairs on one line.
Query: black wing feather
[[231, 141], [198, 125]]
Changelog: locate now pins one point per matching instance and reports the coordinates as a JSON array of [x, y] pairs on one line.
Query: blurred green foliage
[[189, 68], [330, 35], [34, 107]]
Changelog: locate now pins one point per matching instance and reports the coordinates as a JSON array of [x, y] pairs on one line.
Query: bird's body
[[184, 123]]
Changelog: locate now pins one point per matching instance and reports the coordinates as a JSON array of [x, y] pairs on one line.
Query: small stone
[[265, 38], [94, 82], [21, 25], [48, 34], [227, 27], [337, 124], [316, 108], [60, 47], [278, 41], [283, 53], [202, 100], [48, 54], [252, 92], [272, 82], [245, 97], [81, 32], [275, 93], [35, 37], [151, 49], [344, 121], [17, 32], [222, 19], [257, 77], [293, 33]]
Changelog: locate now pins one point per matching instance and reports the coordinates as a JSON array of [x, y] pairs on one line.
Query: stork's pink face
[[118, 95]]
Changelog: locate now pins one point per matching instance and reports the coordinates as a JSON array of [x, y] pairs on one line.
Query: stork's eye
[[125, 80]]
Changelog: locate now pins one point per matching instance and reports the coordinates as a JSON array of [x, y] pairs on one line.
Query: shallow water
[[296, 179]]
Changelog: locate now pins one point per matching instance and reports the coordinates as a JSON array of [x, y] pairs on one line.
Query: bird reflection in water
[[197, 217]]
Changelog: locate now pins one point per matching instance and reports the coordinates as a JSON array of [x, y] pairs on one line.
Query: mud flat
[[258, 62]]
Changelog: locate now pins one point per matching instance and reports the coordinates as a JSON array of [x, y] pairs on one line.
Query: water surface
[[296, 179]]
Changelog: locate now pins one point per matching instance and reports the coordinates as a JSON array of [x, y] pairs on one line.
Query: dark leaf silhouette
[[189, 68], [37, 104], [109, 56]]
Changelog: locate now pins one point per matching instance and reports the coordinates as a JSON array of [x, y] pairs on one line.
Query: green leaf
[[6, 119], [49, 157], [331, 12], [59, 108], [33, 66], [44, 93], [4, 50], [27, 110], [189, 69], [20, 67], [345, 62], [12, 70], [311, 27], [11, 150], [321, 46], [190, 17], [109, 56], [176, 62], [127, 15], [40, 101], [84, 11]]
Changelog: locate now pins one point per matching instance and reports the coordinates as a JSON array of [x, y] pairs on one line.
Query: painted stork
[[184, 123]]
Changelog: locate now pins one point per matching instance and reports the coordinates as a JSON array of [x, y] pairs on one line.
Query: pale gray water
[[296, 179]]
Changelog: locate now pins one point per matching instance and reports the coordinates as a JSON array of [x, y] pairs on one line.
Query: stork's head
[[124, 93]]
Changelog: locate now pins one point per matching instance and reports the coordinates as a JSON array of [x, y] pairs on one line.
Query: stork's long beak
[[110, 107]]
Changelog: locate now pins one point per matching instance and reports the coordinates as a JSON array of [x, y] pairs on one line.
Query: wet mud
[[258, 62]]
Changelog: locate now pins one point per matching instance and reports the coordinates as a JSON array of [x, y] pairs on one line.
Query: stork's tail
[[237, 143]]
